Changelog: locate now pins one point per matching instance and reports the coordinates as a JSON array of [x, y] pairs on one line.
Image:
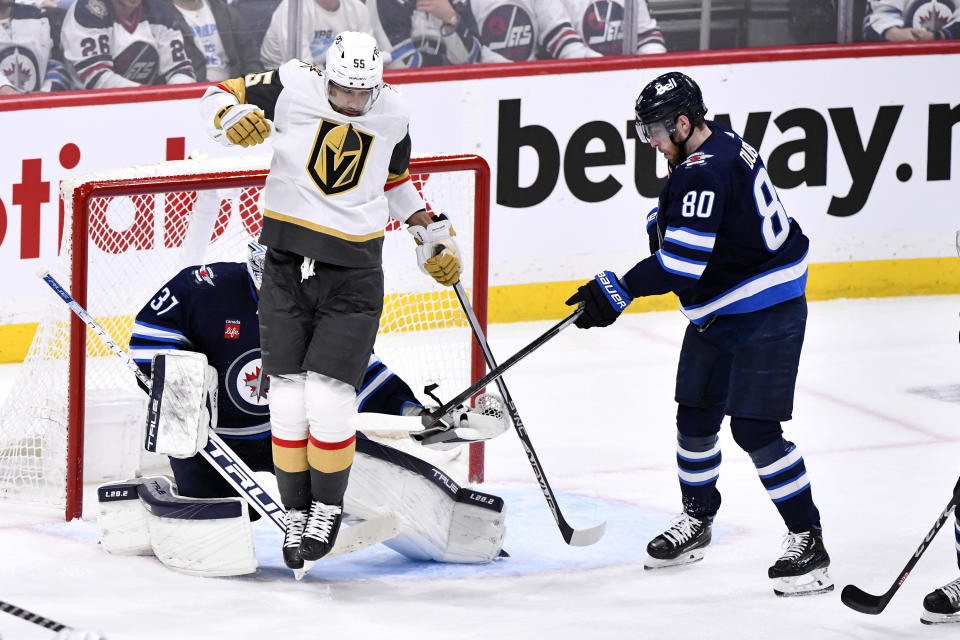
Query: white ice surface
[[876, 417]]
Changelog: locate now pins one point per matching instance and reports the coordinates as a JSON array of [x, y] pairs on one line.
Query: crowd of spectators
[[51, 45]]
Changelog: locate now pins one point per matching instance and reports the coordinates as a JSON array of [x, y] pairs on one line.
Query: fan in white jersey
[[517, 30], [341, 153], [320, 22], [600, 24], [125, 43], [911, 20], [26, 63], [213, 33]]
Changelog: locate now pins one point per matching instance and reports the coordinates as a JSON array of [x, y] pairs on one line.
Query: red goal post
[[157, 203]]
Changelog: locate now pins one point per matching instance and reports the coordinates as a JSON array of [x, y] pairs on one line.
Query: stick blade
[[585, 537], [859, 600]]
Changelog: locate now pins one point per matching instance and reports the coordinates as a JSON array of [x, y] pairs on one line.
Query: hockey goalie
[[198, 340]]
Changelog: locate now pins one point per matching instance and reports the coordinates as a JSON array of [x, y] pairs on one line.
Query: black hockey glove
[[653, 233], [604, 298]]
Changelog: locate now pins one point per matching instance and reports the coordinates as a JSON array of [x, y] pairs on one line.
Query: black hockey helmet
[[666, 98]]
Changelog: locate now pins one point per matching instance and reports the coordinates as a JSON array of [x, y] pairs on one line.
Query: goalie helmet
[[354, 73], [255, 255], [664, 100]]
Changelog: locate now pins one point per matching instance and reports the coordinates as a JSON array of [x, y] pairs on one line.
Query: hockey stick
[[573, 537], [434, 418], [859, 600], [29, 616], [228, 464]]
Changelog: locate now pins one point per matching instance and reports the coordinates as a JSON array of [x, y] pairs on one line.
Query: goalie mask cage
[[75, 406]]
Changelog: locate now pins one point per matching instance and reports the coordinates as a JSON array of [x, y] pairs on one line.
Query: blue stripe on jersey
[[762, 291], [680, 266], [149, 331], [371, 387], [690, 238]]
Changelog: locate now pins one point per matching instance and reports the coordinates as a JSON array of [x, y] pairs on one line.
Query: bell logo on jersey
[[231, 330], [338, 157]]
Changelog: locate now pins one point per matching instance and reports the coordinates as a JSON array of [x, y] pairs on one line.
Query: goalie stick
[[859, 600], [234, 470], [573, 537], [29, 616]]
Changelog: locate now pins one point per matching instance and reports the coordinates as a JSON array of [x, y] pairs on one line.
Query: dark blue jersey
[[212, 309], [726, 243]]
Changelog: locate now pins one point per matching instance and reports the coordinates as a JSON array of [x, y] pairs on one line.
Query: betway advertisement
[[861, 150]]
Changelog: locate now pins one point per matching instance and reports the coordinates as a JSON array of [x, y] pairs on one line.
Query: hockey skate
[[681, 544], [942, 606], [296, 520], [320, 532], [802, 569]]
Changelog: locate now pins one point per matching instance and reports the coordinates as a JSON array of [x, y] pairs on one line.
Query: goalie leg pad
[[198, 536], [183, 403], [439, 520], [122, 520]]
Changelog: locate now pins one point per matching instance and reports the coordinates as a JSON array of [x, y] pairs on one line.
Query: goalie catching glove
[[437, 252], [242, 124]]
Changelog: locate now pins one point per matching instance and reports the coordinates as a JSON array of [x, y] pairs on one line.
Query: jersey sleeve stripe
[[689, 238], [154, 332], [145, 354], [681, 266], [236, 86], [764, 290], [395, 180], [93, 62]]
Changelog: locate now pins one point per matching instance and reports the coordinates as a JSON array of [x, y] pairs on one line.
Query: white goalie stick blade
[[367, 421], [358, 536]]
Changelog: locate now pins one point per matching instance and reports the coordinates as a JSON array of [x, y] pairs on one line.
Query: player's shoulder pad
[[26, 12], [93, 14]]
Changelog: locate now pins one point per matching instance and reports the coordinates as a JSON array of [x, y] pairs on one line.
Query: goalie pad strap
[[430, 472]]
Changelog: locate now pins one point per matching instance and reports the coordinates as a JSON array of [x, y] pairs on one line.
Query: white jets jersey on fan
[[600, 24], [107, 52], [25, 46], [329, 193], [318, 28], [511, 31]]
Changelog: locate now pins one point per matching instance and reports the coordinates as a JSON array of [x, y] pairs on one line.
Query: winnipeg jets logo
[[697, 158], [246, 385], [669, 85], [204, 274]]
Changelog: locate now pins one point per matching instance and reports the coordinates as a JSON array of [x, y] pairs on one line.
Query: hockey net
[[75, 413]]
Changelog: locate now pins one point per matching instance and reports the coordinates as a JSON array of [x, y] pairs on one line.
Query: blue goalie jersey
[[212, 309], [727, 245]]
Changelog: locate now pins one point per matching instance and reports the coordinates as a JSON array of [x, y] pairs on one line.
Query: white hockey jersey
[[511, 31], [600, 24], [25, 48], [318, 28], [108, 52], [940, 17], [334, 181]]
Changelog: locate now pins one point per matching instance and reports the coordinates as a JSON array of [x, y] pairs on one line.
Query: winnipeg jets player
[[339, 170], [212, 309], [738, 263]]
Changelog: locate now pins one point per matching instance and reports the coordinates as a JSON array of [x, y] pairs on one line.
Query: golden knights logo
[[338, 157]]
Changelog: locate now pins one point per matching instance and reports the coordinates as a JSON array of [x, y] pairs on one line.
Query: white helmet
[[355, 66]]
